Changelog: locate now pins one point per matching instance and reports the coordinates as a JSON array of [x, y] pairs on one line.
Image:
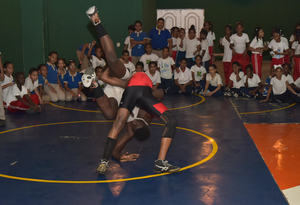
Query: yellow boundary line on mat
[[98, 111], [265, 111], [211, 140]]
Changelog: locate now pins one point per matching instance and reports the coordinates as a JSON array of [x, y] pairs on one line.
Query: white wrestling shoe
[[91, 12], [88, 77]]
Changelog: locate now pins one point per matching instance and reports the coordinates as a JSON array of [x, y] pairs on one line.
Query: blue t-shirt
[[159, 40], [52, 74], [87, 50], [73, 81], [139, 49], [61, 79], [41, 80]]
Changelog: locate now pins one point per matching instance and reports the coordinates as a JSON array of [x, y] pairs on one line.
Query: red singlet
[[140, 79]]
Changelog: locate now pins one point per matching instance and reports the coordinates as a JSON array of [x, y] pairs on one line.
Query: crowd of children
[[186, 67]]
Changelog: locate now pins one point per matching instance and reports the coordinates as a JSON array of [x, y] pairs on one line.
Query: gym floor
[[233, 151]]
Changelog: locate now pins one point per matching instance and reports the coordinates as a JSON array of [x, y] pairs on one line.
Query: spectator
[[204, 49], [154, 75], [166, 67], [211, 37], [129, 65], [296, 54], [127, 45], [225, 43], [236, 83], [257, 48], [198, 75], [137, 41], [192, 46], [8, 80], [181, 46], [97, 59], [82, 54], [2, 112], [253, 85], [175, 39], [61, 70], [42, 79], [183, 78], [160, 38], [139, 67], [213, 85], [287, 72], [32, 84], [148, 56]]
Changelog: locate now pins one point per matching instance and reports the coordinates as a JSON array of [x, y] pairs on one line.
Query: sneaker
[[91, 12], [163, 166], [103, 166], [235, 95]]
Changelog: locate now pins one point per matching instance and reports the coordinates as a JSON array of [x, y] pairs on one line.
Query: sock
[[109, 146], [100, 30]]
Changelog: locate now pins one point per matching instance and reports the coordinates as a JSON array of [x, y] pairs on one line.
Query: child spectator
[[181, 46], [257, 48], [183, 78], [32, 84], [278, 48], [73, 84], [198, 75], [211, 37], [204, 49], [82, 54], [148, 56], [236, 81], [166, 67], [192, 46], [253, 83], [97, 59], [175, 38], [129, 65], [286, 71], [8, 81], [137, 41], [18, 98], [2, 112], [42, 80], [61, 70], [139, 67], [52, 89], [293, 37], [239, 43], [154, 74], [213, 86], [225, 43], [296, 54], [280, 91], [127, 45]]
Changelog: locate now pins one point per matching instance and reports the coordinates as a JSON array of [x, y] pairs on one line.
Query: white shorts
[[114, 92]]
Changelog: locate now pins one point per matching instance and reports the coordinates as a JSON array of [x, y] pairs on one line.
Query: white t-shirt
[[199, 72], [97, 62], [256, 43], [31, 85], [5, 91], [130, 66], [214, 81], [191, 47], [165, 66], [204, 47], [285, 40], [15, 91], [127, 42], [237, 84], [174, 42], [292, 38], [239, 42], [297, 82], [146, 59], [279, 86], [183, 48], [252, 82], [296, 47], [289, 78], [210, 38], [227, 50], [183, 77], [279, 47], [154, 78]]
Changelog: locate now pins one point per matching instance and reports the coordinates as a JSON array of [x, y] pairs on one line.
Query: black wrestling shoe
[[103, 166], [161, 166]]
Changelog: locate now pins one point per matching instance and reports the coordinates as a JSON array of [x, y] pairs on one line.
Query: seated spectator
[[253, 84], [280, 90], [83, 52], [166, 66], [139, 67], [287, 72], [97, 59], [32, 84], [213, 85], [73, 84], [236, 82], [52, 89], [2, 112], [148, 56], [42, 80], [198, 75], [297, 84], [154, 74], [18, 98], [129, 65], [8, 81], [61, 70], [183, 78]]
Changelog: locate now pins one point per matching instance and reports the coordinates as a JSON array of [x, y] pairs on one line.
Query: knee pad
[[171, 123], [98, 92]]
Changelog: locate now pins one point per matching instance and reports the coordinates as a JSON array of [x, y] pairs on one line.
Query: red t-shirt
[[140, 79]]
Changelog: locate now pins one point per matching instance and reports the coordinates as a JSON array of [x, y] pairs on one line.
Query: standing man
[[160, 38], [137, 40]]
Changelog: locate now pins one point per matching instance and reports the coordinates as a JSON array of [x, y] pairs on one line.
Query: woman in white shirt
[[257, 49], [192, 46], [227, 57], [183, 78], [181, 46], [213, 86], [296, 54], [280, 90], [211, 37]]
